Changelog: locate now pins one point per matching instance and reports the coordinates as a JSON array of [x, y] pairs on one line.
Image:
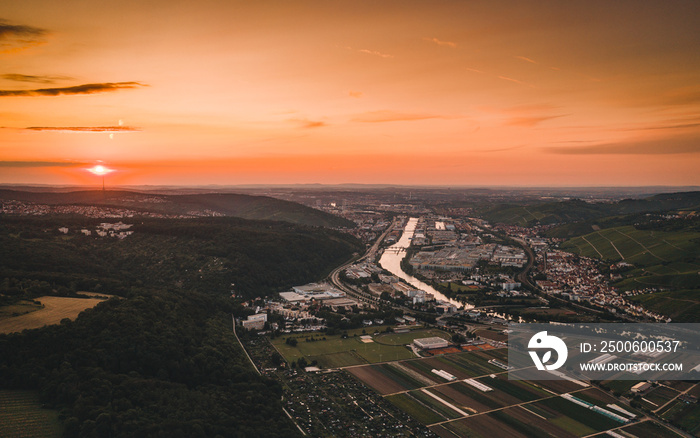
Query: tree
[[458, 338]]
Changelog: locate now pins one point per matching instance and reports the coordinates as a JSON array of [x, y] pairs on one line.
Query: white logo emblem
[[542, 340]]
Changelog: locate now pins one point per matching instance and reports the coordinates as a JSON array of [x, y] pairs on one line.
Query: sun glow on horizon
[[100, 170]]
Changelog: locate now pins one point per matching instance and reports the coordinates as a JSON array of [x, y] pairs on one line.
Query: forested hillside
[[204, 254], [227, 204], [576, 210], [160, 360]]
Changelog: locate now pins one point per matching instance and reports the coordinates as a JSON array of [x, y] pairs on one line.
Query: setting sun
[[100, 170]]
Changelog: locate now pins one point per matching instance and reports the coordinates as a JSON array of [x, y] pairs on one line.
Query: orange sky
[[400, 92]]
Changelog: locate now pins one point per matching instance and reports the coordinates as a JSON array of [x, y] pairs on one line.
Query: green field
[[659, 396], [21, 415], [685, 415], [519, 389], [530, 430], [584, 418], [335, 352], [650, 429], [472, 363], [435, 405], [415, 409]]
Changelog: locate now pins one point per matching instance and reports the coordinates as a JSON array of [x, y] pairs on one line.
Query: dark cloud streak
[[25, 164], [33, 78], [666, 146], [78, 89], [19, 30], [85, 128]]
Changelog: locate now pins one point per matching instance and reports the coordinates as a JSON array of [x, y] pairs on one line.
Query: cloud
[[504, 149], [662, 146], [669, 126], [18, 36], [85, 128], [375, 53], [506, 78], [41, 164], [525, 115], [370, 52], [530, 121], [441, 43], [308, 124], [18, 30], [523, 58], [78, 89], [395, 116], [355, 94], [32, 78], [474, 70]]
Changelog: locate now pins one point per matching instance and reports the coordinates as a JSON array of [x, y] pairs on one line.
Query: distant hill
[[578, 211], [228, 204]]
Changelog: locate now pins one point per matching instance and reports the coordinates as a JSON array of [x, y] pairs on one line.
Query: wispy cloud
[[85, 128], [669, 126], [532, 61], [523, 58], [441, 43], [525, 115], [371, 52], [395, 116], [529, 121], [506, 78], [355, 94], [504, 149], [309, 124], [662, 146], [32, 78], [375, 53], [474, 70], [78, 89], [15, 37], [41, 164]]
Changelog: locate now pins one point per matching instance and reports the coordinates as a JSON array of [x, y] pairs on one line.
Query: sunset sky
[[562, 93]]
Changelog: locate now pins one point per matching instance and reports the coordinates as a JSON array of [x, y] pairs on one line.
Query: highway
[[334, 276], [523, 275]]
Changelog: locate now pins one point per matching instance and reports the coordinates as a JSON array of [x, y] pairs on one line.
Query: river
[[391, 261]]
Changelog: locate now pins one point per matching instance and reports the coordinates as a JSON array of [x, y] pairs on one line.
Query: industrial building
[[255, 322], [430, 343]]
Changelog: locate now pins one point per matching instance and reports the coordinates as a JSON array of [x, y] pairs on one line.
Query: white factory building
[[430, 343]]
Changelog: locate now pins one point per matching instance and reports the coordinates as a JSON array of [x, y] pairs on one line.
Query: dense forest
[[205, 254], [160, 359]]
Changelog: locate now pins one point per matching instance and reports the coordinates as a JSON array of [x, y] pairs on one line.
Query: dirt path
[[592, 246]]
